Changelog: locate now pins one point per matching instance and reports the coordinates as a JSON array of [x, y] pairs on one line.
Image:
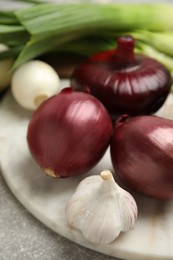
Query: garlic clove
[[128, 210], [100, 209]]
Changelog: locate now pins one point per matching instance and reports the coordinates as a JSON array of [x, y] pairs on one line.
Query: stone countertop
[[22, 237]]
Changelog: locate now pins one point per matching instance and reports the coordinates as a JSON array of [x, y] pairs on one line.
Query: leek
[[153, 53], [161, 41], [32, 49], [86, 28], [8, 18], [13, 35], [51, 25], [84, 47], [11, 53], [51, 18]]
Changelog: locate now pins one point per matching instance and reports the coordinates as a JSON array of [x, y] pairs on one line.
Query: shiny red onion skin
[[142, 155], [69, 133], [139, 88]]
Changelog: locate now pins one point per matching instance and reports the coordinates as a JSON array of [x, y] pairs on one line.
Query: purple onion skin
[[142, 155], [123, 81], [69, 133]]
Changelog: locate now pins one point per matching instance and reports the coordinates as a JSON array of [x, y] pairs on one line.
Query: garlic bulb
[[34, 82], [100, 209]]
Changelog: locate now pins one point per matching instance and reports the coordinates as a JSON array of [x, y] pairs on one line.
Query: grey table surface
[[22, 237]]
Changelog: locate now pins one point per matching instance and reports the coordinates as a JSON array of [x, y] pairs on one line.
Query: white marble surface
[[46, 198], [24, 237]]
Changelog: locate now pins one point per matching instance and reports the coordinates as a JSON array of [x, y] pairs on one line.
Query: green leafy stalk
[[86, 29], [12, 35], [8, 18], [11, 52], [161, 41], [87, 46], [53, 18], [153, 53], [38, 46], [51, 25]]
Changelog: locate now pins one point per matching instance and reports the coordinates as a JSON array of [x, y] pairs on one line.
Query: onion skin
[[123, 81], [142, 155], [69, 133]]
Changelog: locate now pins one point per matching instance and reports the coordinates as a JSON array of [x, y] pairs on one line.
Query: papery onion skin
[[123, 81], [142, 155], [69, 133]]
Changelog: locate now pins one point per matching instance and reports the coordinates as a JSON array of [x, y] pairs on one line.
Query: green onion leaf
[[63, 18], [38, 46], [12, 52], [8, 17], [12, 35], [153, 53], [161, 41]]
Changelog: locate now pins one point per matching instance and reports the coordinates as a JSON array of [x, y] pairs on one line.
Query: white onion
[[34, 82]]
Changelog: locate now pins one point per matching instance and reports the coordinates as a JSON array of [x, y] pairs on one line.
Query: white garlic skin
[[34, 82], [100, 209]]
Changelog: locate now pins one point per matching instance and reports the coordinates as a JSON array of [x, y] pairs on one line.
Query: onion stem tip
[[49, 172]]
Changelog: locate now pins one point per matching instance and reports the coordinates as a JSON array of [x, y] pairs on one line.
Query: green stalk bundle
[[86, 29]]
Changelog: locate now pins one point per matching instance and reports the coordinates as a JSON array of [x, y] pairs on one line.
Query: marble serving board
[[46, 197]]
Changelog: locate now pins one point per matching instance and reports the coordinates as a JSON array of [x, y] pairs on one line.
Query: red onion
[[69, 133], [123, 81], [142, 154]]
